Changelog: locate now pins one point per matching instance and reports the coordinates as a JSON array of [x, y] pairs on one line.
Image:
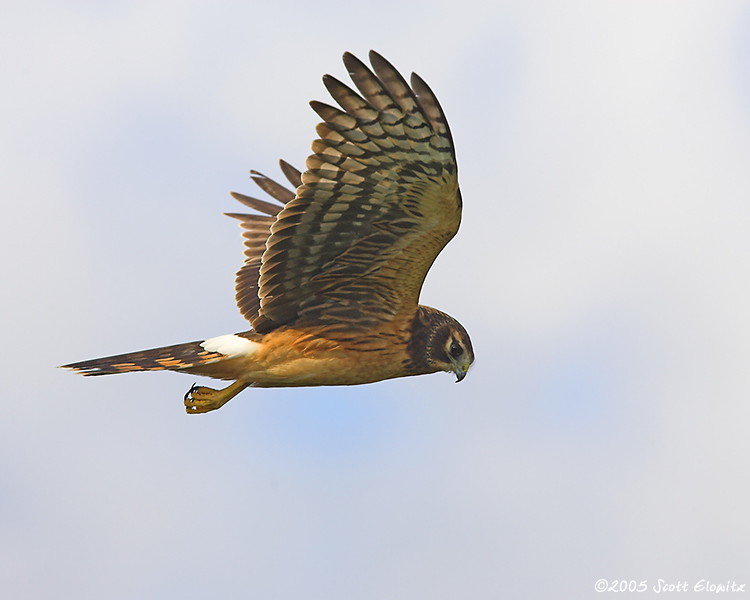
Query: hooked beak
[[461, 369]]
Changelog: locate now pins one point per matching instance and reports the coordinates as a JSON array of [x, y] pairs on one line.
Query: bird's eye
[[456, 350]]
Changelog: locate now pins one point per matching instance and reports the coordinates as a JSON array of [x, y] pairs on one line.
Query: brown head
[[439, 343]]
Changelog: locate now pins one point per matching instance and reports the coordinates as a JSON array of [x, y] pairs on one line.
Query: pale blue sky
[[601, 269]]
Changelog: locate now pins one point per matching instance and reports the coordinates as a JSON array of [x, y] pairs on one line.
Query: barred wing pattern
[[378, 201], [257, 229]]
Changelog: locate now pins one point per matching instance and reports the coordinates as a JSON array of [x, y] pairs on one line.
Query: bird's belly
[[304, 371]]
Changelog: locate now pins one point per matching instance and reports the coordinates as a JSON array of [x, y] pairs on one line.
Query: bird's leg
[[201, 399]]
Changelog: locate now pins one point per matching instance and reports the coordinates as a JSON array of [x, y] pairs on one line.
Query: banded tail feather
[[216, 357], [180, 357]]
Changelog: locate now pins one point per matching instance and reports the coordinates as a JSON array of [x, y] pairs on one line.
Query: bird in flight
[[333, 270]]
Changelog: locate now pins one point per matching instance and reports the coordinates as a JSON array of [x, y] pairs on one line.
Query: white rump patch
[[231, 346]]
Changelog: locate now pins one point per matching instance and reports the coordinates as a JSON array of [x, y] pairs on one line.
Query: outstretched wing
[[378, 201]]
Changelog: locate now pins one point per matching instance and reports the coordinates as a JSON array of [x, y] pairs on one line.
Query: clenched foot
[[201, 399]]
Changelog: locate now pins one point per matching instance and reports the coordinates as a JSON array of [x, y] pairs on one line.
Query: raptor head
[[440, 343]]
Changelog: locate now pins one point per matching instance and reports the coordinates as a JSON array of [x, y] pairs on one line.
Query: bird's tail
[[191, 357]]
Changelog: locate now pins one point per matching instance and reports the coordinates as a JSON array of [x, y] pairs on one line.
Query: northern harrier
[[332, 273]]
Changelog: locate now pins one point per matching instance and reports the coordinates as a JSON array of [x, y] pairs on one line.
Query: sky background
[[601, 269]]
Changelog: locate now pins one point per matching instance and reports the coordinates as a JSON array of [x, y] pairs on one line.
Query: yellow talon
[[200, 399]]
